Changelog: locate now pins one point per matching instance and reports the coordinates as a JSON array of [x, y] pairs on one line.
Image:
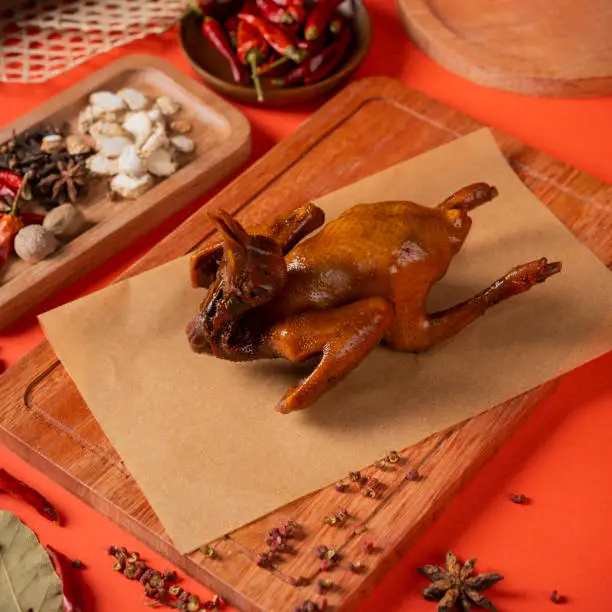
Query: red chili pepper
[[10, 179], [289, 2], [312, 47], [273, 12], [252, 49], [298, 13], [20, 490], [64, 569], [299, 73], [319, 18], [10, 224], [274, 36], [231, 25], [213, 31], [339, 48]]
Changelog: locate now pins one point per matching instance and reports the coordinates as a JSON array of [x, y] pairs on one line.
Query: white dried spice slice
[[134, 99], [85, 120], [111, 116], [106, 128], [182, 143], [157, 140], [155, 115], [106, 101], [131, 163], [112, 146], [98, 164], [129, 187], [161, 163], [167, 106], [139, 125]]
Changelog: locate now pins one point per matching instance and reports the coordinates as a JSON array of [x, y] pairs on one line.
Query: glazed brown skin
[[363, 279]]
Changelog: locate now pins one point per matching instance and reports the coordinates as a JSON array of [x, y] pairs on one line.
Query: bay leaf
[[27, 578]]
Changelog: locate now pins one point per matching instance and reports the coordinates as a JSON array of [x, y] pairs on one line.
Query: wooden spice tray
[[223, 143], [370, 126]]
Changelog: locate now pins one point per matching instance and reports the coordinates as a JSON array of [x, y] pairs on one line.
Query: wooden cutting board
[[371, 125], [534, 47]]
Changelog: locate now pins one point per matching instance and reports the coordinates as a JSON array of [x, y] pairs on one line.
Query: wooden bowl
[[215, 72]]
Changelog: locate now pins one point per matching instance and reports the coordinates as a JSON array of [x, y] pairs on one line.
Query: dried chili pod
[[20, 490], [336, 56], [231, 27], [275, 36], [10, 224], [63, 568], [213, 31], [252, 50], [274, 12], [312, 47], [288, 3], [11, 180], [298, 13], [319, 18], [311, 66]]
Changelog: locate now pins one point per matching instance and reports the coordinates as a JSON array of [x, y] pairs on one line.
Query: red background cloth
[[560, 458]]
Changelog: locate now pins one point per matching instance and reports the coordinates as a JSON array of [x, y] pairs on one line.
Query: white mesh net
[[43, 38]]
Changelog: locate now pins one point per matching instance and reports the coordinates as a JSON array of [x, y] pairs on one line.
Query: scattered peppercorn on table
[[529, 543]]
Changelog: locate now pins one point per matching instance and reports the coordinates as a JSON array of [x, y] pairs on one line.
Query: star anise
[[65, 181], [455, 587]]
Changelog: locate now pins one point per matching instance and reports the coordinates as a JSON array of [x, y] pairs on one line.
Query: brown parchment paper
[[201, 436]]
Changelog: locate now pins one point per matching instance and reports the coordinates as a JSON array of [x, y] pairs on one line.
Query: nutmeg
[[65, 221], [33, 243]]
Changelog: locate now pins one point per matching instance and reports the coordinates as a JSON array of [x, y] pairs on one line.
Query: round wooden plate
[[561, 48], [212, 67]]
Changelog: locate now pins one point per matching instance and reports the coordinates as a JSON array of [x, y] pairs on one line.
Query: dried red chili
[[298, 13], [213, 31], [231, 26], [273, 12], [63, 567], [275, 36], [11, 180], [317, 66], [10, 222], [336, 55], [252, 50], [287, 3], [20, 490], [319, 18], [299, 73], [312, 47]]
